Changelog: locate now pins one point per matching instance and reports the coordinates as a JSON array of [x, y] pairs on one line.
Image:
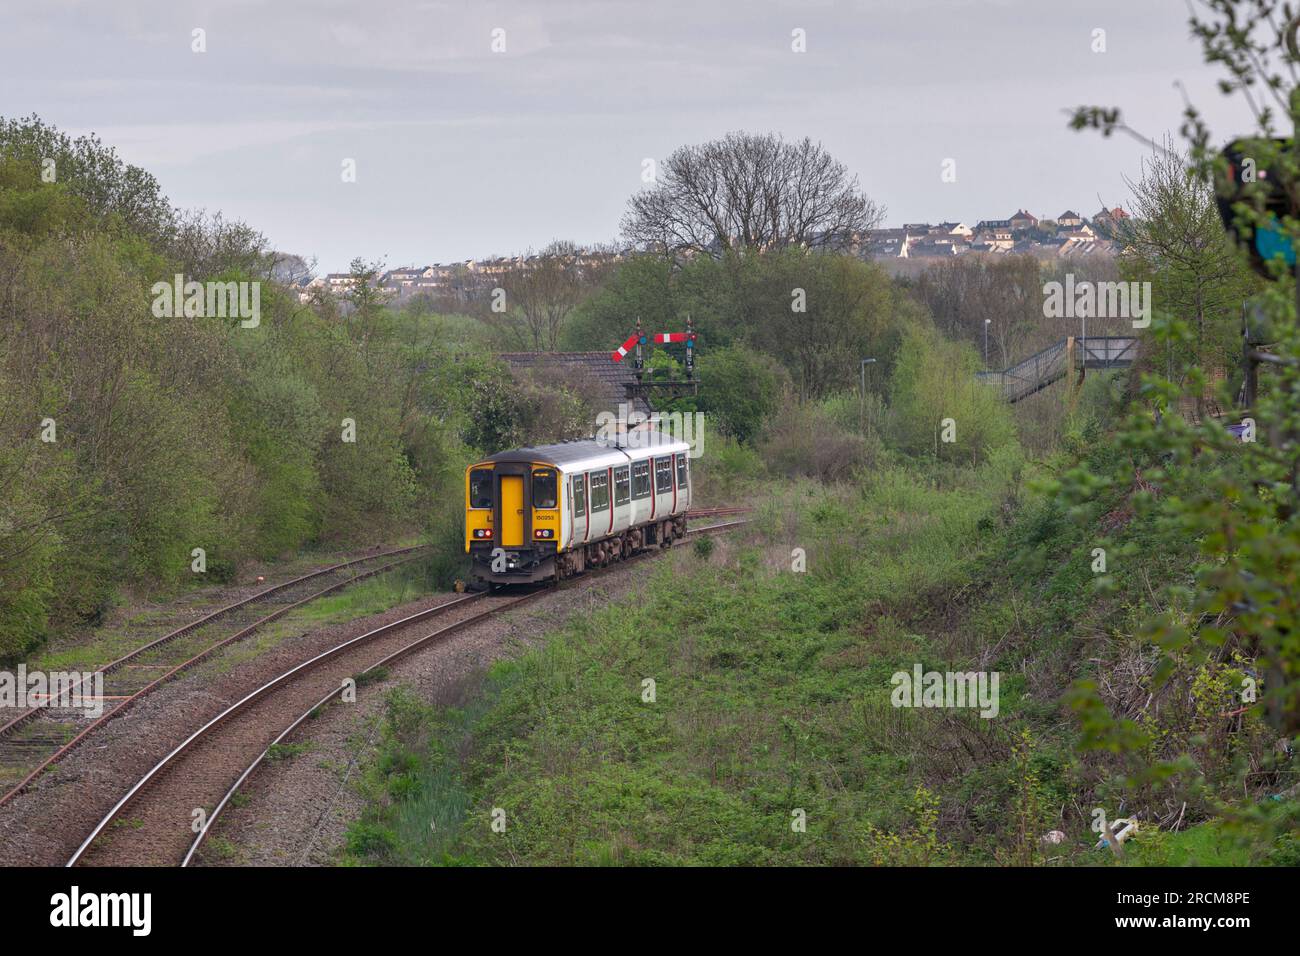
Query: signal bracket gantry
[[644, 389]]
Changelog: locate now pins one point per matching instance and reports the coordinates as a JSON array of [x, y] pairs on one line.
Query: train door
[[641, 491], [663, 475], [672, 478], [609, 497], [683, 484], [512, 511], [623, 497], [578, 507]]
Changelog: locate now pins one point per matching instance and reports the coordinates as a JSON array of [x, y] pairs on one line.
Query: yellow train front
[[550, 512]]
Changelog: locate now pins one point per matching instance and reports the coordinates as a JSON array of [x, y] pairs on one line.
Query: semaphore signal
[[636, 340]]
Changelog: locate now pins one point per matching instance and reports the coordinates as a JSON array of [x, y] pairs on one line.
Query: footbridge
[[1053, 363]]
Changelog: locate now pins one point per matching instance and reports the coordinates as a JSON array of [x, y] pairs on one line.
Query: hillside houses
[[459, 280], [1069, 235]]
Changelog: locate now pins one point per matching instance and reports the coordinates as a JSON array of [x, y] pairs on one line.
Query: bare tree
[[753, 192], [1005, 293], [209, 244], [544, 288], [291, 269]]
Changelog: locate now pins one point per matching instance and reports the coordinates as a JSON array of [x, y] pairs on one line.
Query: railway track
[[717, 512], [38, 738], [169, 806]]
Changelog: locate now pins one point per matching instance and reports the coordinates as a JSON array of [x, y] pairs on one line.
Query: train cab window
[[641, 479], [681, 471], [599, 491], [579, 496], [480, 488], [544, 489], [622, 486], [663, 475]]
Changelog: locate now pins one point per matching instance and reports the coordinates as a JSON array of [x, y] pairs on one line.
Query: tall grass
[[771, 695]]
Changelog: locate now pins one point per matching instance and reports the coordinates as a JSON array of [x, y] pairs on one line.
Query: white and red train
[[550, 512]]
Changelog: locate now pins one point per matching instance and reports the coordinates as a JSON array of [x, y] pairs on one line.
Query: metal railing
[[1051, 364]]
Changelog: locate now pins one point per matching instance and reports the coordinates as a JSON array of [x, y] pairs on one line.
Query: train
[[550, 512]]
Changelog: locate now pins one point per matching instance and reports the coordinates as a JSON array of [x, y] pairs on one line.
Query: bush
[[806, 440], [371, 839], [933, 382], [189, 431], [724, 470]]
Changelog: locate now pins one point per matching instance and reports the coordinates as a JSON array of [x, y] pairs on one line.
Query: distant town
[[1068, 235]]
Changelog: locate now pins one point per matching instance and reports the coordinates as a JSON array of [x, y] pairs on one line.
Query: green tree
[[1239, 502], [740, 390], [936, 396], [1176, 241]]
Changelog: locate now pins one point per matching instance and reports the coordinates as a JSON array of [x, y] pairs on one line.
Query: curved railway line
[[169, 819], [38, 738]]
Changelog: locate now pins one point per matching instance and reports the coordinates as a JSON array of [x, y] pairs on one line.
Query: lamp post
[[1083, 351], [862, 396], [987, 322]]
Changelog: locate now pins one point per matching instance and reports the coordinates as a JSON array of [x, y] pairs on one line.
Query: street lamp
[[1084, 346], [865, 363], [862, 396]]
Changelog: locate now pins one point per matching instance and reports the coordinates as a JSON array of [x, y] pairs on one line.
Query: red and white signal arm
[[626, 347]]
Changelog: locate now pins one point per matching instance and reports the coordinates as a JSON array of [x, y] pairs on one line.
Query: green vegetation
[[772, 736], [129, 440], [371, 596], [278, 753], [1124, 565], [772, 697]]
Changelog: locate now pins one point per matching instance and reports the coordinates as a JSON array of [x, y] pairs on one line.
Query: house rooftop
[[611, 375]]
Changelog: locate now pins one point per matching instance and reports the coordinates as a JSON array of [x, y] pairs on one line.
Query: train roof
[[582, 450]]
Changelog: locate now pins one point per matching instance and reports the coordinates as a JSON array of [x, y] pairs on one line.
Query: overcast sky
[[462, 152]]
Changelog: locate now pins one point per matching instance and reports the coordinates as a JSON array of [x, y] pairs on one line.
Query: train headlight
[[544, 533], [482, 532]]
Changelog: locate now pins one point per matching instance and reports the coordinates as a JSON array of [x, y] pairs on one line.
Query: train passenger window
[[681, 471], [622, 486], [599, 491], [480, 488], [641, 479], [544, 489], [663, 475], [579, 497]]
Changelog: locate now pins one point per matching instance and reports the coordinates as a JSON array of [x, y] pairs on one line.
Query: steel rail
[[207, 619], [180, 668], [401, 652], [257, 693], [298, 669]]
